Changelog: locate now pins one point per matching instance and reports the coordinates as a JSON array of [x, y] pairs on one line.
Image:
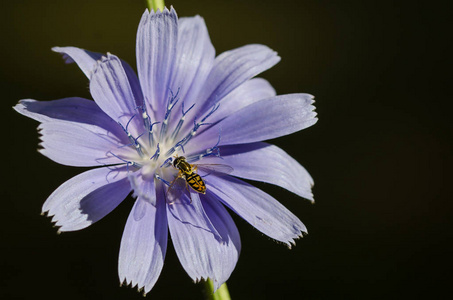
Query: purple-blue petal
[[234, 67], [157, 38], [279, 168], [247, 93], [229, 245], [202, 253], [73, 109], [87, 197], [258, 208], [190, 212], [192, 239], [87, 62], [143, 186], [194, 59], [263, 120], [82, 145], [144, 243], [112, 92]]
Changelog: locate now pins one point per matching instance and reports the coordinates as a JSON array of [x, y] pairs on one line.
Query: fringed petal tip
[[158, 11], [57, 224], [292, 243], [63, 226], [309, 196], [312, 100], [140, 289], [53, 221], [104, 59], [203, 279]]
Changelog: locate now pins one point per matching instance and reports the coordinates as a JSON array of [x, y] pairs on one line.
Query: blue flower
[[185, 102]]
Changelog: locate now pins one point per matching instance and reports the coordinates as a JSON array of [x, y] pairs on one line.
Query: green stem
[[221, 293], [155, 5]]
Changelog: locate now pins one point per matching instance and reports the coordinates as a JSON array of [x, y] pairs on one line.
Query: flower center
[[159, 142]]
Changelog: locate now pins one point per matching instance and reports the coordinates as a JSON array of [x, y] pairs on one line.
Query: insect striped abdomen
[[195, 182]]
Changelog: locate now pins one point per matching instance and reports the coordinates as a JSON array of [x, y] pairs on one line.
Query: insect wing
[[177, 192], [214, 169]]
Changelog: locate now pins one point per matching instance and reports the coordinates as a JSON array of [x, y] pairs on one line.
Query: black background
[[380, 153]]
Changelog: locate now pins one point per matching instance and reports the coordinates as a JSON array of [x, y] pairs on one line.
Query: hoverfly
[[187, 176]]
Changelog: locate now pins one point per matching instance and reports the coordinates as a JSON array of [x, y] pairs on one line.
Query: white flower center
[[161, 141]]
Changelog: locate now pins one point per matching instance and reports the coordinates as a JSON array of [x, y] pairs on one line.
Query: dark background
[[380, 154]]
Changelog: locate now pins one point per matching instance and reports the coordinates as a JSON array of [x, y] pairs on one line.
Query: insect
[[187, 176]]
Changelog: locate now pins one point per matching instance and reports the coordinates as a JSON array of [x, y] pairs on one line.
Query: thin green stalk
[[155, 4], [221, 293]]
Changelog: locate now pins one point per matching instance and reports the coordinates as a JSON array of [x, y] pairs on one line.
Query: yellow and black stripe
[[196, 182]]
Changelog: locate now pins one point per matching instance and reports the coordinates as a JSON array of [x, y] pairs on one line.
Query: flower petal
[[194, 58], [266, 119], [112, 92], [258, 208], [78, 144], [278, 168], [144, 243], [143, 186], [234, 67], [247, 93], [230, 247], [190, 212], [157, 38], [73, 109], [87, 198], [87, 62], [202, 253]]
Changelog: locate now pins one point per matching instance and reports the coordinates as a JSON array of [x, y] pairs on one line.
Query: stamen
[[166, 163], [156, 154], [134, 141], [161, 179], [147, 124], [181, 121], [171, 104], [128, 163], [151, 134], [214, 108], [145, 116], [196, 126], [175, 148], [213, 151]]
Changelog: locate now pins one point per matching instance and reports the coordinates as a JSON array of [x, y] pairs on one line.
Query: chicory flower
[[186, 102]]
